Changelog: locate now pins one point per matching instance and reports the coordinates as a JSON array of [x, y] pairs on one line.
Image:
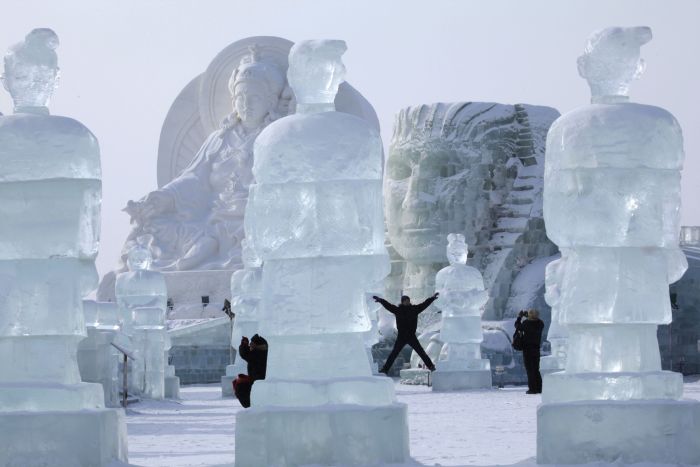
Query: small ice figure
[[142, 299], [462, 300], [558, 335], [611, 204]]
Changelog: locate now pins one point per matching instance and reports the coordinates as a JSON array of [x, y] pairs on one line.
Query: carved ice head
[[457, 250], [316, 70], [31, 70], [256, 86], [611, 62], [139, 257]]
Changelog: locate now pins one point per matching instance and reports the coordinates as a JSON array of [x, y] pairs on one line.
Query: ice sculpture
[[98, 359], [612, 203], [245, 296], [463, 297], [557, 335], [142, 299], [315, 218], [50, 189]]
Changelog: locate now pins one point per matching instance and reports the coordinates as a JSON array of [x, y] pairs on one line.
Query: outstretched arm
[[388, 306], [429, 301]]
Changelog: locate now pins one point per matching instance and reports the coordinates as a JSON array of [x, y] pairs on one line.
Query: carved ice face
[[316, 70], [31, 85], [611, 60], [457, 251], [139, 259], [252, 102], [427, 195]]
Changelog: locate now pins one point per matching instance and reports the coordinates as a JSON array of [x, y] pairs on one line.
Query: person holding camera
[[406, 323], [255, 353], [531, 329]]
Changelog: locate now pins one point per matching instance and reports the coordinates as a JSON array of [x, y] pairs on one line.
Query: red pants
[[241, 388]]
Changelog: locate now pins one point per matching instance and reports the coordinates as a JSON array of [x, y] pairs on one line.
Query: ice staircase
[[514, 218]]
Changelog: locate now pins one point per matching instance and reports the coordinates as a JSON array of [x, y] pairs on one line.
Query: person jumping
[[406, 323]]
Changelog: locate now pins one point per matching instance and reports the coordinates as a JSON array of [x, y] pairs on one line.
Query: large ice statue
[[461, 289], [315, 218], [142, 300], [611, 203], [51, 193]]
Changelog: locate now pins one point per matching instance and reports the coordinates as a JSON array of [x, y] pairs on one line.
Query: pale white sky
[[124, 62]]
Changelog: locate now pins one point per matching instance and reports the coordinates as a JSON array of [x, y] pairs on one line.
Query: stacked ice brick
[[50, 196], [315, 219], [462, 300], [558, 335], [612, 203], [142, 298]]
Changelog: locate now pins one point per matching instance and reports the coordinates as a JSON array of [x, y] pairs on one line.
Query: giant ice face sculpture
[[31, 70]]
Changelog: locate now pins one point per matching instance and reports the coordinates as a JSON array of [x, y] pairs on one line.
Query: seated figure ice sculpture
[[558, 335], [142, 299], [462, 300], [50, 192], [612, 203], [245, 297], [314, 217]]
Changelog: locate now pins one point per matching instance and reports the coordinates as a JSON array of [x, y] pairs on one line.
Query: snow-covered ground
[[469, 428]]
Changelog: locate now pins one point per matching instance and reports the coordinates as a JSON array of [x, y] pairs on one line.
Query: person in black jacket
[[406, 323], [255, 353], [532, 339]]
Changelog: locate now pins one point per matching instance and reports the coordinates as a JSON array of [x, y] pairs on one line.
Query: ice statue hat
[[315, 72], [254, 69], [457, 250], [611, 61], [31, 71]]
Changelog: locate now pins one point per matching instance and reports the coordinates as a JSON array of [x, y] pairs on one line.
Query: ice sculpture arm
[[429, 301], [388, 306]]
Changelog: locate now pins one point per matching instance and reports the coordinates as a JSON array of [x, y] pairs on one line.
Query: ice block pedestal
[[314, 217], [463, 297], [612, 203], [50, 189]]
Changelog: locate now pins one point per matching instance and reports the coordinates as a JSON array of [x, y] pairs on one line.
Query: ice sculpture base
[[368, 390], [444, 381], [172, 387], [328, 435], [415, 376], [626, 432], [82, 438], [15, 397], [565, 387]]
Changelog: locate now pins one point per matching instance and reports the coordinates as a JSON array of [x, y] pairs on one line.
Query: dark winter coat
[[532, 332], [407, 315], [257, 360]]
